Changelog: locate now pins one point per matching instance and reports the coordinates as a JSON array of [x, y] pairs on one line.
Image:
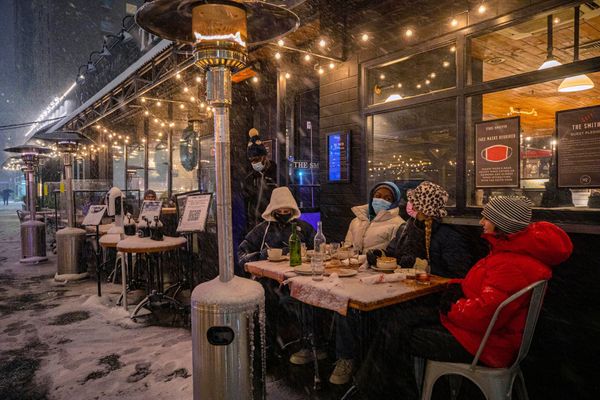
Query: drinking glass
[[303, 250], [335, 247], [318, 266]]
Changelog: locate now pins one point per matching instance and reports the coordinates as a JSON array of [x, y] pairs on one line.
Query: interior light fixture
[[581, 82], [393, 97], [550, 60], [556, 20]]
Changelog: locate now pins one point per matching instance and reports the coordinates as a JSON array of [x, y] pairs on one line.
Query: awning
[[146, 58]]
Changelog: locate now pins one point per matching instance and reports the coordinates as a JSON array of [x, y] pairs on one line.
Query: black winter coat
[[276, 235], [449, 254], [257, 189]]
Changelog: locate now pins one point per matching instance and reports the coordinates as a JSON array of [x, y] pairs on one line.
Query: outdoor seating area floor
[[61, 341]]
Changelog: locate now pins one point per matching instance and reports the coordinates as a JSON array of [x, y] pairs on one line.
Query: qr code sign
[[194, 215]]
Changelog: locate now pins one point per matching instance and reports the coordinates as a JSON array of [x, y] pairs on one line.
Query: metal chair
[[495, 383]]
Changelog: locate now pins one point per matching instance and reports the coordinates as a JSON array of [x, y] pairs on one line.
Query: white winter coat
[[375, 234]]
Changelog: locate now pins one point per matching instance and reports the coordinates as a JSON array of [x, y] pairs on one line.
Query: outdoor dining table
[[136, 245]]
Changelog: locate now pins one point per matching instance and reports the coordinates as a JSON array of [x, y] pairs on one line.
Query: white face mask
[[259, 166]]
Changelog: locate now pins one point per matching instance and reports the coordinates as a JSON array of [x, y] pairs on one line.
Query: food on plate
[[386, 263]]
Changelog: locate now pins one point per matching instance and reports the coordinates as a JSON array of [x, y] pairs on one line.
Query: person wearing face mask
[[376, 223], [260, 182], [424, 236]]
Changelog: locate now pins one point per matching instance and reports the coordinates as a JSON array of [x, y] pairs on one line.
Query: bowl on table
[[386, 263]]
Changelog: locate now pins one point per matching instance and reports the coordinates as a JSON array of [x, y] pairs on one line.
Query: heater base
[[33, 260]]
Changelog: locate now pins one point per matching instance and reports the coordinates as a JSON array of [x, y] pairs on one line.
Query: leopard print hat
[[430, 199]]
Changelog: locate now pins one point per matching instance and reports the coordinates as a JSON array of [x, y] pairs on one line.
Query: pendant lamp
[[550, 60], [581, 82]]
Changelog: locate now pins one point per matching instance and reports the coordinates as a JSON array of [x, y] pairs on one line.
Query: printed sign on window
[[497, 153]]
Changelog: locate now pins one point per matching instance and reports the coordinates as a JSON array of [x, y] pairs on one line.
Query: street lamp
[[33, 232], [222, 310]]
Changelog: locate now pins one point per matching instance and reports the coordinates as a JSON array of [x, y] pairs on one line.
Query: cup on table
[[274, 254], [303, 250], [317, 266], [334, 248]]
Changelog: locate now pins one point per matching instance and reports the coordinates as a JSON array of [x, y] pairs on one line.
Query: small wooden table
[[136, 245]]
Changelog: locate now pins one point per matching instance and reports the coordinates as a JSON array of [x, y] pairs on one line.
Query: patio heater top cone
[[33, 232], [224, 311], [70, 240]]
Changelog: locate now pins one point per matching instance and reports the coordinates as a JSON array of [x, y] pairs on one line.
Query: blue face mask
[[379, 205]]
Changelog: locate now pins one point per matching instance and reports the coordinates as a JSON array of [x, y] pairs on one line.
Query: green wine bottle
[[295, 252]]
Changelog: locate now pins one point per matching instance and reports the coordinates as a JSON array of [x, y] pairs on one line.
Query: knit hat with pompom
[[256, 148]]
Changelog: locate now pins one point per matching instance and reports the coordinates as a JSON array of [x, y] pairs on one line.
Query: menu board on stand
[[94, 215], [150, 209], [578, 148], [338, 157], [195, 213], [497, 160]]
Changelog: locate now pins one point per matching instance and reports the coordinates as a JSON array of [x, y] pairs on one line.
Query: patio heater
[[33, 232], [223, 310], [70, 240]]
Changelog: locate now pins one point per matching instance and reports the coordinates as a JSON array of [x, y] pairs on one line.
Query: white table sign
[[150, 209], [195, 213], [94, 215]]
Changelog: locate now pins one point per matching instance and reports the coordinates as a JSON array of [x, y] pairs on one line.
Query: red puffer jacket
[[513, 263]]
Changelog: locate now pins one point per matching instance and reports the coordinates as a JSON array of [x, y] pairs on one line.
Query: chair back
[[538, 290]]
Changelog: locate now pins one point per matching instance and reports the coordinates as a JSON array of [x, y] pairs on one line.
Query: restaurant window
[[524, 47], [539, 147], [415, 144], [413, 75]]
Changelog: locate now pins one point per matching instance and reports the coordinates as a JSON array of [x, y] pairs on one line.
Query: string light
[[156, 120], [331, 65], [278, 56], [454, 22], [452, 49], [446, 64], [287, 75], [322, 43], [432, 75], [143, 99], [192, 99], [158, 104], [178, 76], [255, 79], [198, 79], [162, 124], [408, 33], [185, 89], [556, 20], [280, 42], [399, 85], [321, 71], [382, 76], [160, 134], [419, 86], [171, 124], [365, 37], [181, 106], [307, 57], [146, 113], [427, 81]]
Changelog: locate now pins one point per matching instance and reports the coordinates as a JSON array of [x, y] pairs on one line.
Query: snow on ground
[[60, 341]]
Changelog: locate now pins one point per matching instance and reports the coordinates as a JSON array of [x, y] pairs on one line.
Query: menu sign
[[578, 147], [150, 209], [94, 215], [338, 157], [195, 213], [497, 153]]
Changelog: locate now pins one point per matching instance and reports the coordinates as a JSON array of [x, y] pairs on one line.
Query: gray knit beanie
[[509, 214]]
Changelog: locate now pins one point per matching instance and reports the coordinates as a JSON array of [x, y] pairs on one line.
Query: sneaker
[[342, 372], [305, 356]]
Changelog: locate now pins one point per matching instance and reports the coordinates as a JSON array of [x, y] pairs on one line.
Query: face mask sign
[[258, 166], [380, 204], [282, 218]]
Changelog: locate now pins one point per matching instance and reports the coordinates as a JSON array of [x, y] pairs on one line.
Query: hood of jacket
[[362, 213], [281, 198], [543, 241]]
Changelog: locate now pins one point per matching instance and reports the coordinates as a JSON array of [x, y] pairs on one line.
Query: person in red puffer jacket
[[520, 254]]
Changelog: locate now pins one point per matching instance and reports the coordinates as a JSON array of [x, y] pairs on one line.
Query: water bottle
[[319, 243], [295, 250]]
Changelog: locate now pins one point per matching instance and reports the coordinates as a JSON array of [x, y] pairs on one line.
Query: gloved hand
[[372, 256], [407, 261], [263, 254], [452, 294]]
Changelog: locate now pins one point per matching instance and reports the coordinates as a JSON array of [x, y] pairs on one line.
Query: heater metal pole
[[68, 188], [31, 187], [219, 96]]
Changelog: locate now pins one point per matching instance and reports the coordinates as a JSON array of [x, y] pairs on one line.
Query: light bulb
[[181, 106], [192, 98], [321, 71], [427, 81], [556, 20], [178, 76], [331, 65], [408, 33], [432, 75], [156, 120], [287, 75], [446, 64], [158, 104], [280, 42], [278, 56], [172, 124], [322, 43], [198, 79], [202, 105], [419, 86], [254, 79], [185, 89], [452, 49], [454, 22], [365, 37], [482, 8], [143, 100], [162, 124], [399, 85], [382, 76], [159, 134], [146, 113], [307, 57]]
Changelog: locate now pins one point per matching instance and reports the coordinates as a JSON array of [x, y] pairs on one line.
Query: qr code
[[194, 215]]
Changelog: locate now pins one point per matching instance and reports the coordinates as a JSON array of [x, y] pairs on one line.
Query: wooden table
[[136, 245], [360, 296]]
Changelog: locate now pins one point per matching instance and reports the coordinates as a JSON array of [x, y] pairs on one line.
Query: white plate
[[303, 270], [342, 272], [406, 271], [280, 259], [374, 268]]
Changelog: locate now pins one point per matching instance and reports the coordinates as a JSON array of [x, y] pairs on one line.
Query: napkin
[[382, 278]]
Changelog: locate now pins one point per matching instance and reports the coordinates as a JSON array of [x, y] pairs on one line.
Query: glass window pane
[[415, 144], [412, 76], [524, 47], [536, 105]]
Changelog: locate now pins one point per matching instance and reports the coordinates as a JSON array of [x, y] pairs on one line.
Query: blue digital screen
[[337, 149]]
